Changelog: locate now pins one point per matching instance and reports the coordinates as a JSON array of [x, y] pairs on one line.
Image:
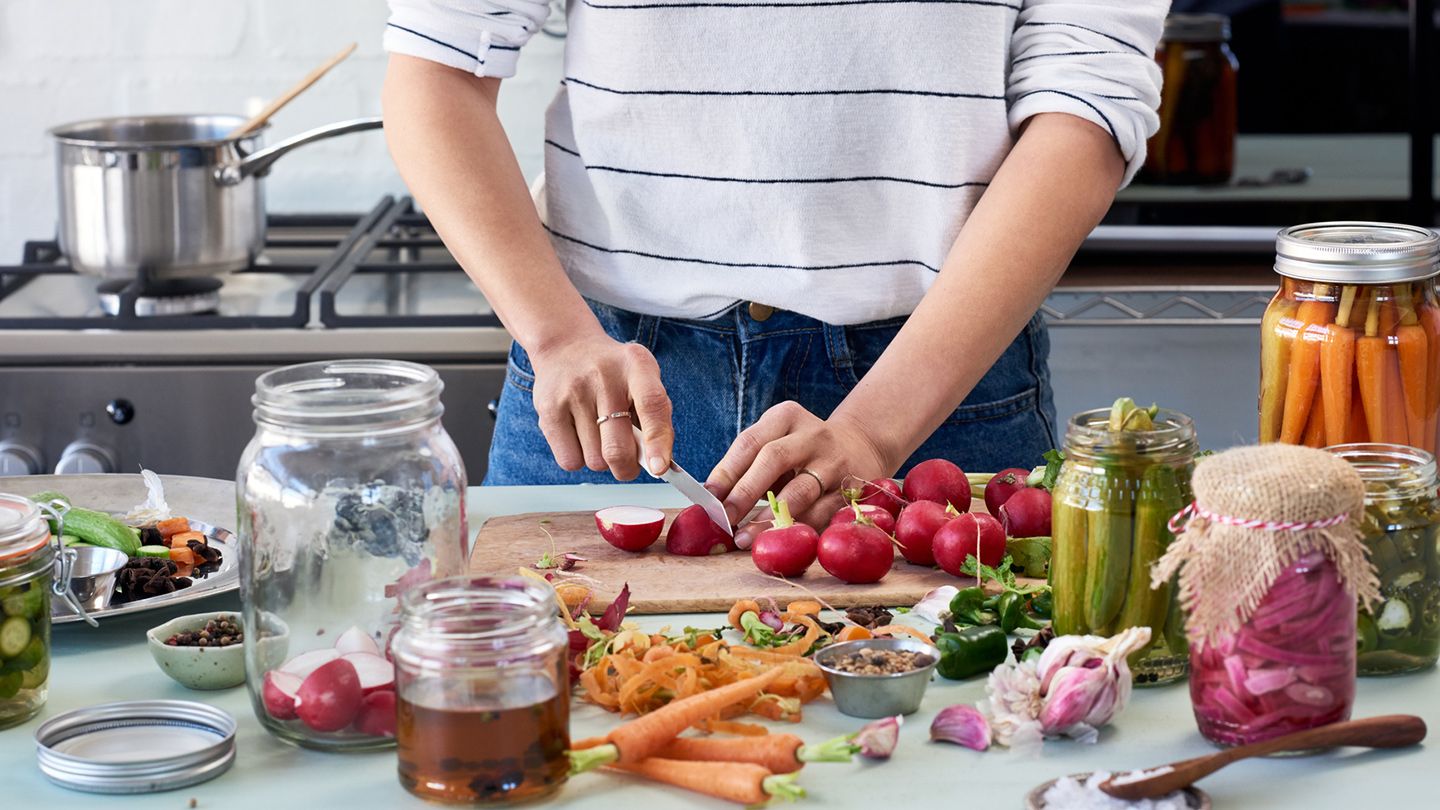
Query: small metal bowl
[[92, 575], [872, 696], [1196, 798]]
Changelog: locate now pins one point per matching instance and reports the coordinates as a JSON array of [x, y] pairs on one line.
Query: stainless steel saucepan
[[167, 196]]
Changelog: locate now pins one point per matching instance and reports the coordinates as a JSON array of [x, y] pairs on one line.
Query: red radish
[[883, 520], [915, 530], [278, 693], [1027, 513], [630, 528], [856, 552], [377, 714], [329, 698], [375, 673], [882, 492], [973, 533], [940, 481], [355, 640], [693, 534], [1002, 486], [307, 662], [787, 548]]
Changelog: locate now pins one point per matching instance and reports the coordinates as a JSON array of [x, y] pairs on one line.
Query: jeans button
[[761, 312]]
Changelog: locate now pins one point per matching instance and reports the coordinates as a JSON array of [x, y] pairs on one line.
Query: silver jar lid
[[1196, 28], [138, 746], [1357, 252]]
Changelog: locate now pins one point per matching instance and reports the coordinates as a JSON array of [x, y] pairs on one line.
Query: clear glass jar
[[1401, 529], [350, 492], [1111, 507], [1289, 668], [484, 691], [1195, 143], [1350, 344], [27, 562]]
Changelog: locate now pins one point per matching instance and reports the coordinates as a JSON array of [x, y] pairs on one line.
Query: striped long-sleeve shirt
[[818, 156]]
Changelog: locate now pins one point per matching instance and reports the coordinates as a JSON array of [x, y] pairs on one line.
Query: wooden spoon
[[1386, 731], [260, 118]]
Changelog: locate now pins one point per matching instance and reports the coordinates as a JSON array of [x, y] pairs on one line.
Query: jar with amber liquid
[[1350, 345], [483, 691], [1195, 144]]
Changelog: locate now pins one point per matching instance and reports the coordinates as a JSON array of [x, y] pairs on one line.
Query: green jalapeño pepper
[[1013, 614], [968, 607], [970, 652]]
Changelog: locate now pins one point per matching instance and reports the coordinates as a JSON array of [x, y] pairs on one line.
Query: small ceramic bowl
[[871, 696], [198, 667]]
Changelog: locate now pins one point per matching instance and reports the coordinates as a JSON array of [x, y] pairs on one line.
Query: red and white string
[[1181, 518]]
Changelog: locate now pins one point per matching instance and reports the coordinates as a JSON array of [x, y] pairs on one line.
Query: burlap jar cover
[[1256, 511]]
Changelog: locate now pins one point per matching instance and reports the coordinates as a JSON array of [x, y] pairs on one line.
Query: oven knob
[[80, 458], [121, 411], [18, 459]]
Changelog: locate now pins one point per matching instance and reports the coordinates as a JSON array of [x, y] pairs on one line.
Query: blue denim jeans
[[723, 373]]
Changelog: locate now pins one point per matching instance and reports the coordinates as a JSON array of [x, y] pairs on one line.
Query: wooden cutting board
[[665, 583]]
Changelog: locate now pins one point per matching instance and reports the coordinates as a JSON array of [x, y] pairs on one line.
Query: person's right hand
[[587, 377]]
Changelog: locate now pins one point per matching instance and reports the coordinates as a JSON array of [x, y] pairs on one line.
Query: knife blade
[[691, 489]]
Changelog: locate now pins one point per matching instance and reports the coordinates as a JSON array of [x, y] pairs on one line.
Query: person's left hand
[[768, 456]]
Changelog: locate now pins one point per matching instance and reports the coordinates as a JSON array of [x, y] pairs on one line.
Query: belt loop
[[837, 343]]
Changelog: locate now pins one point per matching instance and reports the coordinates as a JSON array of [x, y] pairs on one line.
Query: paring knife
[[690, 488]]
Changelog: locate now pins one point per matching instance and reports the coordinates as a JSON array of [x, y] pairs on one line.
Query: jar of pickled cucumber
[[1350, 345], [27, 560], [1401, 529], [1127, 472]]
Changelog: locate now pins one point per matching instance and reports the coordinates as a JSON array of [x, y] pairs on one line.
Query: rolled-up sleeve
[[1090, 58], [483, 37]]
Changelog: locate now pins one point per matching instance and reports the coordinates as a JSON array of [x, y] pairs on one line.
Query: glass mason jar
[[1112, 504], [484, 691], [27, 563], [1289, 668], [350, 492], [1195, 143], [1350, 345], [1401, 529]]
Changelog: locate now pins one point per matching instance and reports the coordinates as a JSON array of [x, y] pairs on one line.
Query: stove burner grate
[[161, 298]]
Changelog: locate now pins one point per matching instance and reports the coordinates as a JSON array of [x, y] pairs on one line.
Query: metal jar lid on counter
[[139, 746]]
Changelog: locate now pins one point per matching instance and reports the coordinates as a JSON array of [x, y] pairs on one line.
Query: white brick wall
[[67, 60]]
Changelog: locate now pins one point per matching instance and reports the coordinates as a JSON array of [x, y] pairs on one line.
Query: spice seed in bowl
[[215, 633], [880, 661]]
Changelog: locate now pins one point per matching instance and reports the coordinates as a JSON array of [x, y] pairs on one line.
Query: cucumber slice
[[29, 658], [37, 675], [10, 684], [155, 551], [68, 540], [14, 636], [25, 604]]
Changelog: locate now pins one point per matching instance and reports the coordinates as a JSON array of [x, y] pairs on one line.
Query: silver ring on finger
[[600, 420], [824, 490]]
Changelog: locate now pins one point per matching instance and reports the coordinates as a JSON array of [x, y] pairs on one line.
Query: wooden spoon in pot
[[259, 119], [1386, 731]]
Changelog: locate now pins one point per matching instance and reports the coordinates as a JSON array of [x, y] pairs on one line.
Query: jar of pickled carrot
[[1350, 344]]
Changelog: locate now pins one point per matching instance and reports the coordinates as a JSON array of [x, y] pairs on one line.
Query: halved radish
[[630, 528], [377, 714], [375, 672], [329, 697], [355, 640], [278, 692], [307, 662]]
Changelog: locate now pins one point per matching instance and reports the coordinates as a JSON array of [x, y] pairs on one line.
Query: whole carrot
[[1412, 348], [642, 737], [1369, 366], [1429, 317], [780, 753], [740, 782], [1356, 431], [1304, 376], [1315, 429], [1337, 369], [1276, 338]]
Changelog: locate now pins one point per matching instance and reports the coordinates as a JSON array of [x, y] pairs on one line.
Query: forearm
[[451, 150], [1052, 189]]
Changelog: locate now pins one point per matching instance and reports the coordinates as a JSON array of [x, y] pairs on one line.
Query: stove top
[[384, 268]]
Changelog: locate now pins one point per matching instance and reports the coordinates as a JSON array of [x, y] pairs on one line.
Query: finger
[[750, 529], [558, 426], [773, 460], [617, 440], [775, 423], [803, 492], [652, 409], [822, 511], [589, 434]]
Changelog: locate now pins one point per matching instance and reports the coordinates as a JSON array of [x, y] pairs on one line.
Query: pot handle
[[258, 164]]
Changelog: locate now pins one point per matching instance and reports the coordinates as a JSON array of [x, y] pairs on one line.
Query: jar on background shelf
[[1112, 502], [484, 691], [350, 493], [1350, 344], [1195, 144]]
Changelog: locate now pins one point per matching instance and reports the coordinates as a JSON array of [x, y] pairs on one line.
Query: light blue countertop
[[112, 663]]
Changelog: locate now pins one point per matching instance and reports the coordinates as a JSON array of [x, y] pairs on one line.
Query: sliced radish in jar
[[278, 692], [374, 672], [307, 662], [329, 697], [630, 528], [377, 714], [355, 640]]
